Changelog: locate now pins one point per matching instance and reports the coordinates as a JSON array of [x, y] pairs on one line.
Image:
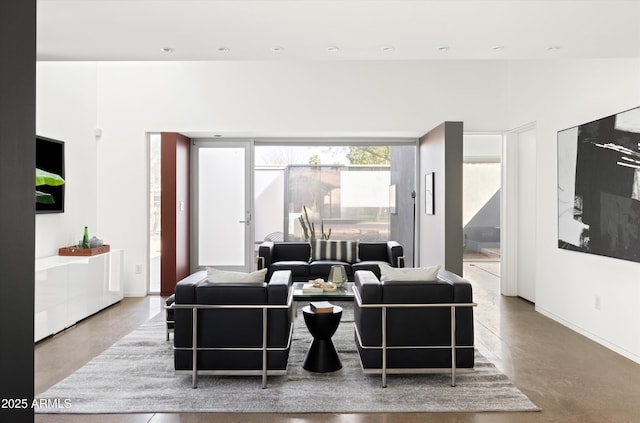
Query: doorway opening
[[155, 185], [481, 211]]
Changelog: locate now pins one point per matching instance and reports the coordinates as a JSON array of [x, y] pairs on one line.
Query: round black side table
[[322, 356]]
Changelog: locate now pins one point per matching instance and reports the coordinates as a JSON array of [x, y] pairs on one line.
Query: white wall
[[558, 95], [268, 99], [66, 110], [482, 147], [526, 203]]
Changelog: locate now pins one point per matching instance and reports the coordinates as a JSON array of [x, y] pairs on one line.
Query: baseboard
[[613, 347], [135, 294]]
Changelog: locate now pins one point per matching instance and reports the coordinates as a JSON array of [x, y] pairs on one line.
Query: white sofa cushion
[[226, 276], [408, 274]]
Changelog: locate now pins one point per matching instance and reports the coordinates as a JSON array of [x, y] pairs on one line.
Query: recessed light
[[497, 48], [388, 48], [332, 49], [167, 49], [224, 49], [553, 48], [443, 48], [277, 49]]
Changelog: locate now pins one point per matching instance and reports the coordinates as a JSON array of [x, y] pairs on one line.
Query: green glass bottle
[[85, 238]]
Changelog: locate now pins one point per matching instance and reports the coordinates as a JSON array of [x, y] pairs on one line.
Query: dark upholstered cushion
[[291, 251], [321, 268], [297, 267], [374, 251]]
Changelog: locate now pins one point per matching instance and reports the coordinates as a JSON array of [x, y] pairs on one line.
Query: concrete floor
[[570, 377]]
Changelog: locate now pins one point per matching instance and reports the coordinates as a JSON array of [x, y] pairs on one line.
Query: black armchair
[[233, 328], [414, 327]]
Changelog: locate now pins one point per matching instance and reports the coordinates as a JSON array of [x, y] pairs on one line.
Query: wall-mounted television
[[50, 157]]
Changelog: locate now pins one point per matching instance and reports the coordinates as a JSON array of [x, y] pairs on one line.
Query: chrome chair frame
[[384, 370], [264, 372], [168, 322]]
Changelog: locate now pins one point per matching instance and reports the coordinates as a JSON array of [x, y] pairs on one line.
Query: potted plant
[[309, 228]]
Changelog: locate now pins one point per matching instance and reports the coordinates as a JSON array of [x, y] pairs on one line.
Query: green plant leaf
[[44, 198], [47, 178]]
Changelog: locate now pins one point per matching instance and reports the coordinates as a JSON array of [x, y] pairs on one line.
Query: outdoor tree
[[370, 155]]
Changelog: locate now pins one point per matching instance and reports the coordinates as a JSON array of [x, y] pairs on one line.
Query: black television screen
[[50, 157]]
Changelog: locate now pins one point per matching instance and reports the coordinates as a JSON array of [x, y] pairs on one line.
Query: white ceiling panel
[[105, 30]]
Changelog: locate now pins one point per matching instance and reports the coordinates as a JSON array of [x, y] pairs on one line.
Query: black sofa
[[230, 320], [417, 330], [311, 260]]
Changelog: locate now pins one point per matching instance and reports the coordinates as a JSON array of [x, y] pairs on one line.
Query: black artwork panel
[[607, 163], [618, 229]]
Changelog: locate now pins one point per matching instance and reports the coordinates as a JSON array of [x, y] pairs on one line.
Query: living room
[[125, 100], [129, 105]]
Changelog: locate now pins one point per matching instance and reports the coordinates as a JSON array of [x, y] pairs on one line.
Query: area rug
[[136, 375]]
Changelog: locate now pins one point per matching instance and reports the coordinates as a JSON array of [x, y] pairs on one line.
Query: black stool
[[322, 356]]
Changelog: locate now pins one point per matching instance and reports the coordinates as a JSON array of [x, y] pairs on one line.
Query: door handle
[[248, 219]]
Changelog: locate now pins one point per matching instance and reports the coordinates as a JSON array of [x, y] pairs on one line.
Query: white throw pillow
[[408, 274], [225, 276]]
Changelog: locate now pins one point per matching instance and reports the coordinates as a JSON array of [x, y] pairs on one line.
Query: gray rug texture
[[136, 375]]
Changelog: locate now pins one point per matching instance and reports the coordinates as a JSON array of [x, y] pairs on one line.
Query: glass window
[[343, 189]]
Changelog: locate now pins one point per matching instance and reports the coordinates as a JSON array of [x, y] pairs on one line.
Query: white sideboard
[[69, 289]]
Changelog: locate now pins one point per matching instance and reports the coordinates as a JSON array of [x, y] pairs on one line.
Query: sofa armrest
[[265, 254], [395, 253], [368, 286], [278, 287], [185, 292], [462, 289], [368, 290]]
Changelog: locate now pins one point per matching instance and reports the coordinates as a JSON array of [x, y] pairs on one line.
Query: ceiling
[[138, 30]]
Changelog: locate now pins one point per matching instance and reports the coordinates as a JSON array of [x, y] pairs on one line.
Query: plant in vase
[[309, 228]]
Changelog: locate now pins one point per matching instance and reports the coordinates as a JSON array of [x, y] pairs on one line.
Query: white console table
[[69, 289]]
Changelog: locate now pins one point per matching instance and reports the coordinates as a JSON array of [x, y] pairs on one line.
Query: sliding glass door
[[222, 192]]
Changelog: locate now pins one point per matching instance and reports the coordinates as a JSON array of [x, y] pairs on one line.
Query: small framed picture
[[429, 198]]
